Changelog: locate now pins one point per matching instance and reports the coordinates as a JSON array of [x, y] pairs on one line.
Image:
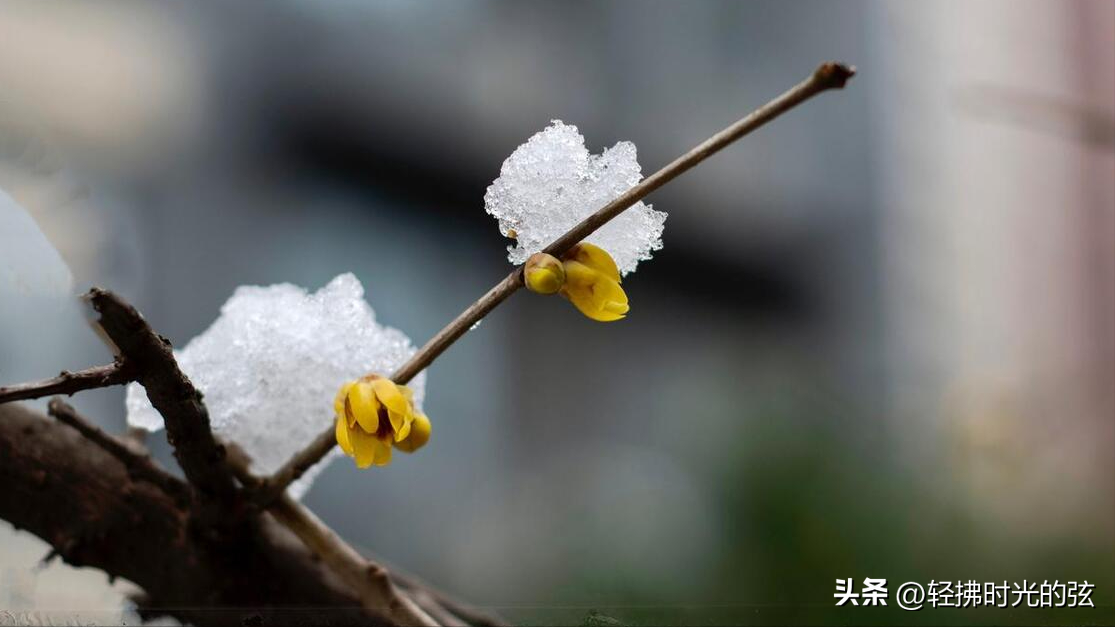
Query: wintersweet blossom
[[587, 276], [375, 414]]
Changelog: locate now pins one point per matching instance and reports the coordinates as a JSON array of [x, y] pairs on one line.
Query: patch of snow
[[551, 183], [271, 363]]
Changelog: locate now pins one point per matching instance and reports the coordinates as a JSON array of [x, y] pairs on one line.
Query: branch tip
[[834, 75]]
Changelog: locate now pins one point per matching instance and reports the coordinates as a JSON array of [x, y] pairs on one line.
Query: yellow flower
[[374, 414], [592, 283], [587, 276]]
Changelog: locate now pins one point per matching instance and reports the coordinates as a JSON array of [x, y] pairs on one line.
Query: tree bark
[[80, 499]]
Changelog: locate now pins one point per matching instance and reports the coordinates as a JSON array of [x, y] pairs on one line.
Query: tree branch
[[105, 376], [139, 466], [99, 503], [72, 493], [825, 77], [371, 582], [175, 397], [233, 551]]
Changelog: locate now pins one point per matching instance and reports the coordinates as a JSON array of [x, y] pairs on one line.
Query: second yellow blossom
[[373, 415], [587, 276]]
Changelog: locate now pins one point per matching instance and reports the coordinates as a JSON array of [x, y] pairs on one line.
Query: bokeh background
[[879, 341]]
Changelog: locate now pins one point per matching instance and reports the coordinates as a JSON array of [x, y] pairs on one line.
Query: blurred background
[[879, 341]]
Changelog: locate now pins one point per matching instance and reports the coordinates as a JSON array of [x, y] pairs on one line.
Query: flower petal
[[339, 400], [364, 446], [403, 430], [397, 421], [342, 437], [596, 258], [389, 394], [362, 401], [594, 294], [591, 310], [382, 453], [611, 298]]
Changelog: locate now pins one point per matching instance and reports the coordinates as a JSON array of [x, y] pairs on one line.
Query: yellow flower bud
[[419, 435], [543, 274], [373, 413], [592, 283]]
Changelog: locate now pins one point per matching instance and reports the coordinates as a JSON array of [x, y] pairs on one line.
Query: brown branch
[[83, 502], [247, 551], [371, 581], [175, 397], [105, 376], [827, 76], [439, 614], [140, 467], [378, 595]]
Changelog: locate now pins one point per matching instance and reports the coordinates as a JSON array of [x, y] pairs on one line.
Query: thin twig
[[467, 613], [175, 397], [378, 595], [116, 373], [440, 614], [827, 76], [424, 594], [140, 466], [371, 581]]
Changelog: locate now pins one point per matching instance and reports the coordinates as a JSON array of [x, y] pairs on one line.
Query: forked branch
[[174, 396], [203, 458], [140, 466]]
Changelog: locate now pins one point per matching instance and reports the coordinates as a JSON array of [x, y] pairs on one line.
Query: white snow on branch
[[551, 183], [271, 363]]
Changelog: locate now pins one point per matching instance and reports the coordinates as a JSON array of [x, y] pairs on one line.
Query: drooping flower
[[588, 278], [373, 415]]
